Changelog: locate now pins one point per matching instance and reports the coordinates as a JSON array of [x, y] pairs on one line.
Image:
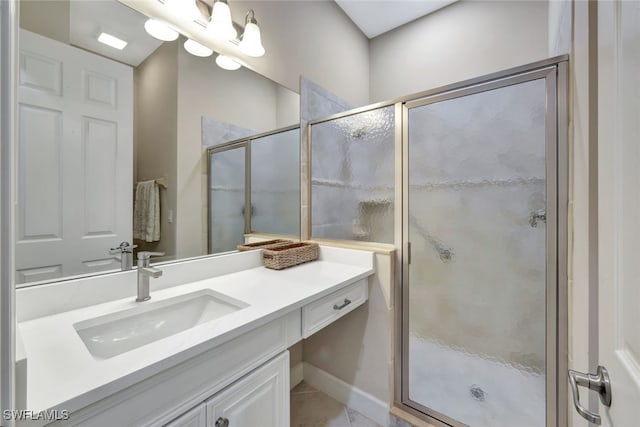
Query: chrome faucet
[[144, 272], [125, 249]]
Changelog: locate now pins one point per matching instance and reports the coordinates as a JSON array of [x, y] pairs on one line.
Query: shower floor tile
[[312, 408]]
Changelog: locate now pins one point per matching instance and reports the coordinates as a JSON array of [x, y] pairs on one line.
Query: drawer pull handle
[[222, 422], [343, 305]]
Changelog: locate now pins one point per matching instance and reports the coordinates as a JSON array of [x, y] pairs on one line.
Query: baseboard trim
[[295, 375], [363, 402]]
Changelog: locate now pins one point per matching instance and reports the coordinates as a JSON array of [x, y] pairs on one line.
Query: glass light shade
[[251, 43], [227, 62], [186, 9], [221, 26], [197, 49], [160, 30]]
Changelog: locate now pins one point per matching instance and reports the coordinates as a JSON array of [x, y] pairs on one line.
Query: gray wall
[[242, 98], [155, 121], [461, 41]]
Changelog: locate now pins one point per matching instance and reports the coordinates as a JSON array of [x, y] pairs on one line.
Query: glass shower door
[[475, 341], [227, 198]]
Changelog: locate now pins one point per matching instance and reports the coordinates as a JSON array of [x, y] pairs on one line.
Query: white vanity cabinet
[[260, 399], [197, 417]]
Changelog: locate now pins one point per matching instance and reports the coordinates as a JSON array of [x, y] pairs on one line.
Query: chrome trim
[[307, 227], [551, 195], [562, 350], [450, 87], [403, 309], [256, 136], [248, 206], [9, 19]]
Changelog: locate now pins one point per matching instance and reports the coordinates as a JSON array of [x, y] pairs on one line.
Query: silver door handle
[[222, 422], [599, 382]]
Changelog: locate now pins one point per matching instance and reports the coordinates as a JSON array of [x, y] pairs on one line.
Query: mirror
[[96, 121]]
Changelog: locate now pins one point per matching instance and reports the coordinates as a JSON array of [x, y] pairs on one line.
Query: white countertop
[[62, 374]]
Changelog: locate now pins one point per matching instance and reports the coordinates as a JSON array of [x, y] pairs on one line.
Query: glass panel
[[352, 177], [227, 198], [275, 183], [477, 276]]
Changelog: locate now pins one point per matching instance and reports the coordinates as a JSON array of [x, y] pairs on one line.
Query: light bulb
[[195, 48], [251, 43], [160, 30], [221, 26], [227, 62], [186, 9]]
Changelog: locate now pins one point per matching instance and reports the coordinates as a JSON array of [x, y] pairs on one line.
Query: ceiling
[[375, 17], [90, 18]]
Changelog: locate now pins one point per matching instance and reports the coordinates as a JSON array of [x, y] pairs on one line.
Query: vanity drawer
[[321, 313]]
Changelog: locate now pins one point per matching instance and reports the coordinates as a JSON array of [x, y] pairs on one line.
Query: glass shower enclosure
[[478, 214], [254, 187]]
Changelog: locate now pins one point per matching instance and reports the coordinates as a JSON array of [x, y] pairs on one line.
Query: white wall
[[314, 39], [461, 41], [580, 198], [358, 348]]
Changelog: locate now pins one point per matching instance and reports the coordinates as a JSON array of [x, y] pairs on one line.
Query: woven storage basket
[[263, 245], [284, 256]]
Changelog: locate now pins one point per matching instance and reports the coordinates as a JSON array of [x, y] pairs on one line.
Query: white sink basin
[[112, 334]]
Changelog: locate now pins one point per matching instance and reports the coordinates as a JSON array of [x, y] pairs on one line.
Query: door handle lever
[[599, 382]]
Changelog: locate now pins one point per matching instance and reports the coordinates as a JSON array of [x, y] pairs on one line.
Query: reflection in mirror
[[261, 172], [95, 121]]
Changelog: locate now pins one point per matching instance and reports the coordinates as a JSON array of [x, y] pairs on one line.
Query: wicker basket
[[263, 245], [284, 256]]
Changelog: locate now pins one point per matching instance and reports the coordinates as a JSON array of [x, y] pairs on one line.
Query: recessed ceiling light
[[112, 41]]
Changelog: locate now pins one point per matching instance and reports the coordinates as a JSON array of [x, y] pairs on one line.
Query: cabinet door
[[197, 417], [260, 399]]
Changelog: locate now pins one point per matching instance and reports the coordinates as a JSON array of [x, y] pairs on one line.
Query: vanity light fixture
[[197, 49], [221, 25], [251, 43], [160, 30], [112, 41], [216, 18], [187, 9], [227, 63]]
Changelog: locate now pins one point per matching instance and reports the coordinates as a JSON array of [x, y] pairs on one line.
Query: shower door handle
[[599, 382]]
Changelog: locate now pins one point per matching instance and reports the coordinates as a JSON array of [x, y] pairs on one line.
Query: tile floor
[[312, 408]]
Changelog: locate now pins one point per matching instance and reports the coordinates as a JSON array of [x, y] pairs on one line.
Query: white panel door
[[619, 206], [75, 160], [260, 399]]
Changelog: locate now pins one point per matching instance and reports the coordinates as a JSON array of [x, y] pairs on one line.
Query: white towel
[[146, 212]]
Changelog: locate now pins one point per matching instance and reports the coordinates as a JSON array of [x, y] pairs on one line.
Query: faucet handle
[[144, 255], [123, 247]]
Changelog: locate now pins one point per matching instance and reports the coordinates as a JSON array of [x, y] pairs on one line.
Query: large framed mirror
[[113, 143]]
